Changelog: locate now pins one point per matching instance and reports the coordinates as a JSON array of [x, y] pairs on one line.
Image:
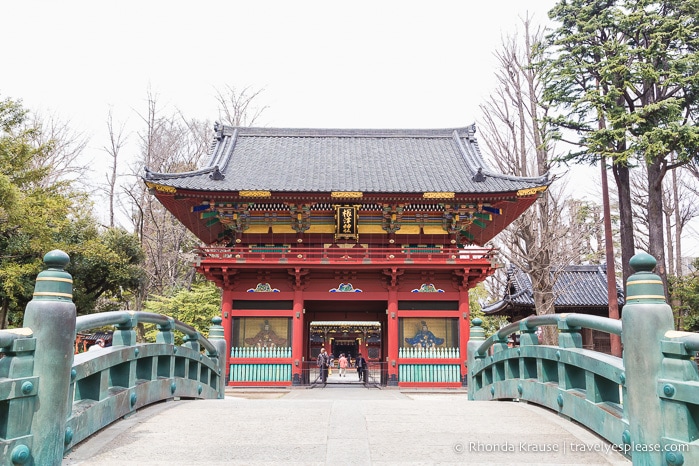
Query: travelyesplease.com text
[[565, 447]]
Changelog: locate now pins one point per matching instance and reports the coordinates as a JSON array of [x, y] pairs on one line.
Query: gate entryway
[[347, 338], [376, 376]]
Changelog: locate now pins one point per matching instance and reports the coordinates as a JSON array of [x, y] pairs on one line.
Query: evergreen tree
[[624, 75]]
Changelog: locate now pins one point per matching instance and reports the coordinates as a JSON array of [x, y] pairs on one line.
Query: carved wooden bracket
[[392, 217], [393, 274], [235, 217], [468, 278], [300, 217], [298, 276]]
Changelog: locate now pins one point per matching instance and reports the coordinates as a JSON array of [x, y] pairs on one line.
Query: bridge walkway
[[342, 424]]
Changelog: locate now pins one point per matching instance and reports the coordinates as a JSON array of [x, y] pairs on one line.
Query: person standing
[[361, 367], [323, 363], [343, 365]]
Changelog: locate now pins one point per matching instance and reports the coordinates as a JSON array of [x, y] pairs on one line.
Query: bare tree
[[168, 144], [117, 139], [65, 149], [679, 208], [236, 107], [540, 241], [682, 196]]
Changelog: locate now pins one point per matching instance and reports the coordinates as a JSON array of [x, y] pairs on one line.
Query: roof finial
[[217, 175], [218, 130], [479, 177]]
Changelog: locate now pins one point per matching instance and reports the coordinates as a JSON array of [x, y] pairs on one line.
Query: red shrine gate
[[369, 237], [269, 327]]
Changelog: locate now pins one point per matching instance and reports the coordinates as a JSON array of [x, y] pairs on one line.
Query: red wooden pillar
[[392, 336], [297, 353], [226, 307], [464, 331]]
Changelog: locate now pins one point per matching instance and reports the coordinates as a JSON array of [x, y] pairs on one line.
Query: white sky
[[351, 64], [379, 63]]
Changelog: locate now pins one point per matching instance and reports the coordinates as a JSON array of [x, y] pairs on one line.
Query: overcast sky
[[411, 64], [351, 64]]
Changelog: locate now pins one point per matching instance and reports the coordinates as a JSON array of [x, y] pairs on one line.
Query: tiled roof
[[576, 286], [364, 160]]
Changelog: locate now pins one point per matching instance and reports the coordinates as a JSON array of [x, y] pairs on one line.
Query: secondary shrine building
[[358, 241]]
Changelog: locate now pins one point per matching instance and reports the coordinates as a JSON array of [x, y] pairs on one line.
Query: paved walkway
[[343, 425]]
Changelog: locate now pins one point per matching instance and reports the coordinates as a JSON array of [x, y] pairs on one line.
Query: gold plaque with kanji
[[346, 222]]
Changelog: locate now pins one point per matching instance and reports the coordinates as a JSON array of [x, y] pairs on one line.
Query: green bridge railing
[[51, 399], [646, 403]]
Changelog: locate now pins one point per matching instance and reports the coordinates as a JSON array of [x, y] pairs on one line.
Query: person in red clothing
[[343, 365]]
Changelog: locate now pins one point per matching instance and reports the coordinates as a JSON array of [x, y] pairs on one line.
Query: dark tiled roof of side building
[[327, 160], [577, 286]]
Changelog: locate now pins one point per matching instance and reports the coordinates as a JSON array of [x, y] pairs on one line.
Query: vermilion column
[[297, 340], [392, 336], [226, 306], [464, 332]]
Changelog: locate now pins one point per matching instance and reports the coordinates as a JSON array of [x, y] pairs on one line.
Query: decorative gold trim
[[346, 194], [255, 193], [438, 195], [161, 188], [367, 229], [409, 230], [284, 229], [48, 293], [257, 229], [646, 296], [645, 282], [53, 279], [434, 230], [321, 229], [530, 191]]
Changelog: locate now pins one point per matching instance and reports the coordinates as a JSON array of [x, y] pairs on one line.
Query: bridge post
[[165, 334], [645, 319], [192, 341], [476, 339], [125, 335], [568, 336], [527, 336], [51, 317], [217, 338], [499, 344]]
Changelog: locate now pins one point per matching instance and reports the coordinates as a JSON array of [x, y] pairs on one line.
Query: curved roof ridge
[[544, 179], [477, 163], [151, 175], [215, 150], [227, 152], [503, 303]]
